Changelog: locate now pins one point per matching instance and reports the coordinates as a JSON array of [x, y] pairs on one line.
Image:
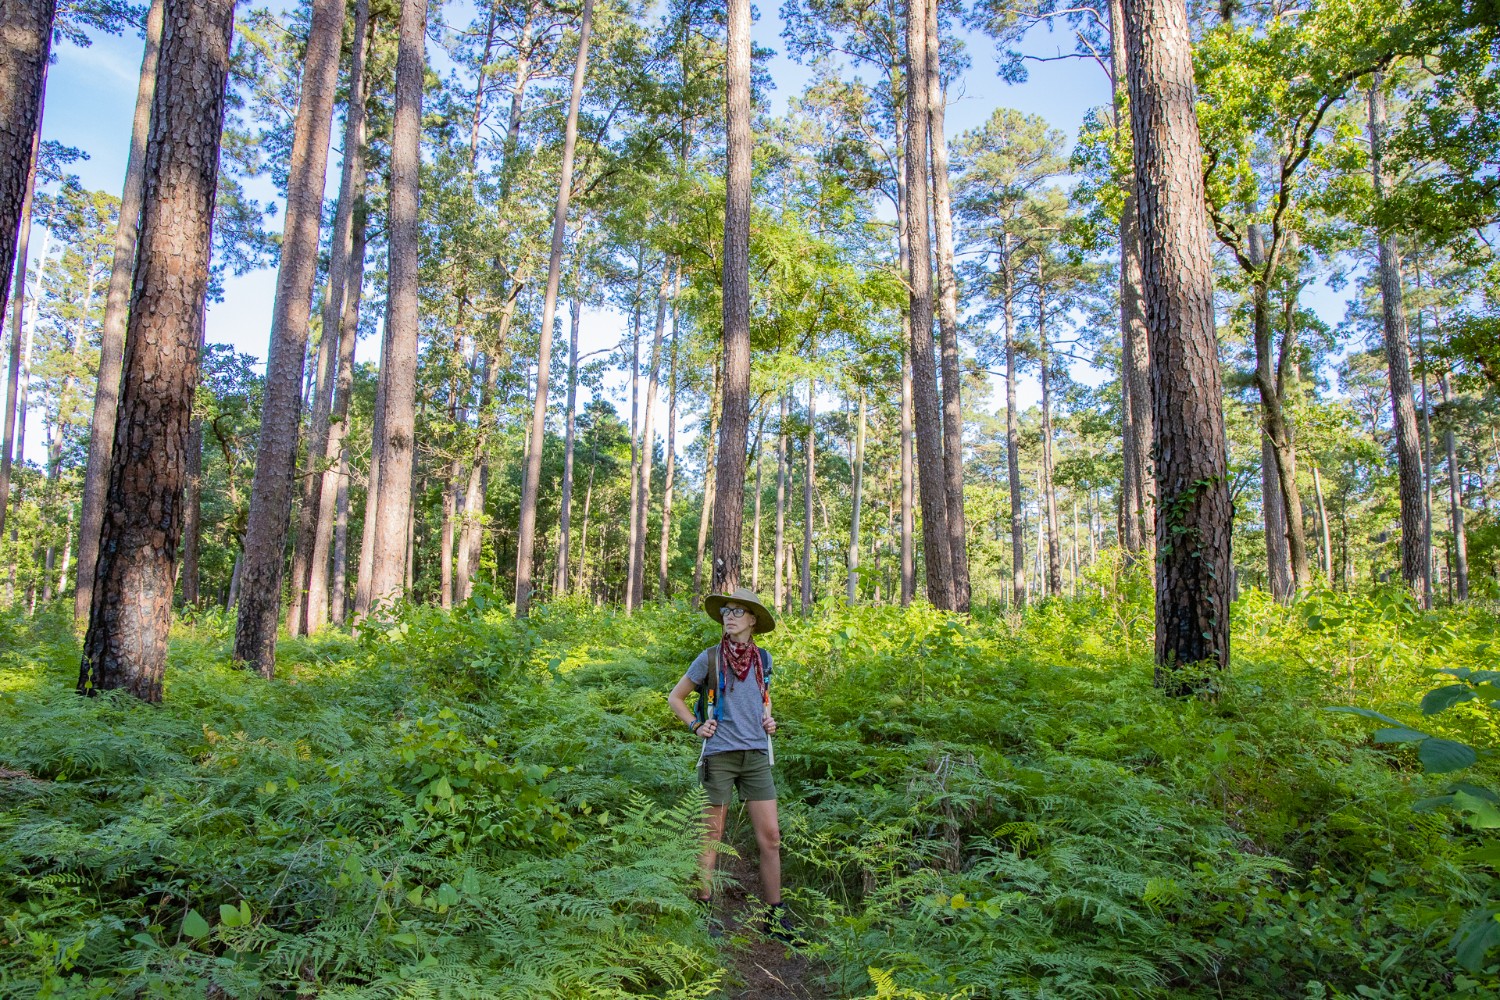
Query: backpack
[[708, 690]]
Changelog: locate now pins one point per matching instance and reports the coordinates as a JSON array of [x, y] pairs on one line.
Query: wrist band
[[693, 726]]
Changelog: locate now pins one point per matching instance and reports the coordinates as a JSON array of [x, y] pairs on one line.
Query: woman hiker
[[736, 735]]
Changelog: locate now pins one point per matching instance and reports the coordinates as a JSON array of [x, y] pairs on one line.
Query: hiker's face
[[738, 620]]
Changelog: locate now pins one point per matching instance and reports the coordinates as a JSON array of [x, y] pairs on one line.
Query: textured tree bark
[[1013, 432], [393, 500], [1327, 553], [1415, 570], [936, 542], [734, 423], [325, 444], [953, 420], [364, 573], [854, 512], [112, 337], [335, 476], [778, 555], [1455, 506], [126, 642], [643, 486], [565, 512], [1138, 486], [531, 482], [809, 490], [663, 578], [281, 413], [1193, 514]]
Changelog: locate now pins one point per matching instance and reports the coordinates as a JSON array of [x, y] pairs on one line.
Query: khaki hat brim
[[764, 620]]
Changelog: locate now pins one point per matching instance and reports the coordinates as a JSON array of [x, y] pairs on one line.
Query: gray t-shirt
[[741, 710]]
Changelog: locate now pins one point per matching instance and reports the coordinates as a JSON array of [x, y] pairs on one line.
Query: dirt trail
[[760, 968]]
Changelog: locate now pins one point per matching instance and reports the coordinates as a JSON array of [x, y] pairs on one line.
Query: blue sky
[[91, 95]]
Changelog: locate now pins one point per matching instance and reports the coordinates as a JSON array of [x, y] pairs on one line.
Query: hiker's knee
[[768, 837]]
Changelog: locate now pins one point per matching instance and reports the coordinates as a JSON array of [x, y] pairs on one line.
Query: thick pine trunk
[[1327, 554], [126, 642], [925, 400], [942, 213], [734, 424], [531, 481], [1193, 514], [1273, 507], [1414, 562], [112, 337], [281, 414], [393, 500], [364, 573]]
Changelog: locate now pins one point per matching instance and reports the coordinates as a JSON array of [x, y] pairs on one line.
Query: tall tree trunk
[[936, 541], [1455, 506], [1414, 565], [664, 589], [1426, 425], [346, 269], [25, 44], [112, 337], [565, 506], [908, 486], [1138, 487], [809, 490], [854, 510], [281, 413], [337, 590], [1273, 506], [1327, 546], [709, 481], [531, 482], [365, 572], [942, 212], [778, 554], [126, 642], [13, 445], [1193, 514], [1013, 433], [734, 423], [335, 456], [643, 487], [1277, 432], [1049, 491], [393, 501]]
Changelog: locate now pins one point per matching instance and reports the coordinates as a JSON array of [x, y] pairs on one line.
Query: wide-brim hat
[[764, 620]]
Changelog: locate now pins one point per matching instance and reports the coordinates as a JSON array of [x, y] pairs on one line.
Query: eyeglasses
[[732, 612]]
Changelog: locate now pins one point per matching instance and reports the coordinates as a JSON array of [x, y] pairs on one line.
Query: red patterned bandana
[[739, 656]]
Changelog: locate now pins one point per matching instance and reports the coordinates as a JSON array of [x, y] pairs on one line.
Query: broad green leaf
[[1399, 734], [194, 926], [1446, 697], [1482, 815], [229, 915], [1441, 756], [1477, 936]]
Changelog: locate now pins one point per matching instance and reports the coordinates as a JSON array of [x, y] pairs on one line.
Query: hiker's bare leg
[[713, 828], [768, 839]]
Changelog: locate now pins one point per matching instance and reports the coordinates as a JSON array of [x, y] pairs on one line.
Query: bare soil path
[[759, 967]]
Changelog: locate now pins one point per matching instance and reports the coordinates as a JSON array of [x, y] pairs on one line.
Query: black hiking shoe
[[777, 924], [715, 928]]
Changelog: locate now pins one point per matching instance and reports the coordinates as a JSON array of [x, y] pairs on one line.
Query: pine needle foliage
[[996, 806]]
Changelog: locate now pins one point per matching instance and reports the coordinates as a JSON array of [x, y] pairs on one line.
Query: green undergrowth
[[458, 805]]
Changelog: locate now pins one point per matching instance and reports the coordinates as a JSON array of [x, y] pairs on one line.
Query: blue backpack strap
[[765, 664]]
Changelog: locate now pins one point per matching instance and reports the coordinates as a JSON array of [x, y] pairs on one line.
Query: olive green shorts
[[747, 771]]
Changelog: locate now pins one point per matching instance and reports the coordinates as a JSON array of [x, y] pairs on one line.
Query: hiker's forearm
[[679, 708]]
